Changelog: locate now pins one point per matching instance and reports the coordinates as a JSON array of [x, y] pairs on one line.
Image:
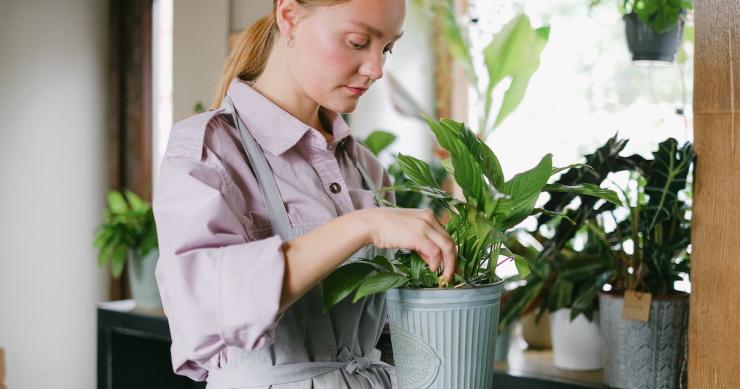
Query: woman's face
[[339, 50]]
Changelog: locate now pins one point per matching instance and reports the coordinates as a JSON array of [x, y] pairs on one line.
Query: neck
[[286, 93]]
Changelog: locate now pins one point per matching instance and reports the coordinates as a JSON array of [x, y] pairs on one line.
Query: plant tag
[[636, 306]]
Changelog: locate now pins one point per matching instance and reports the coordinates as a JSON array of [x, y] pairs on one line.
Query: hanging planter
[[654, 28], [646, 44]]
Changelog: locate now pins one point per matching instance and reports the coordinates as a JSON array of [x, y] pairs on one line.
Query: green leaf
[[579, 269], [138, 205], [468, 172], [587, 190], [514, 52], [583, 303], [379, 283], [523, 190], [487, 160], [522, 266], [339, 284], [520, 81], [379, 141], [118, 260], [665, 178], [418, 171], [560, 295], [564, 215], [448, 166], [116, 203], [380, 262]]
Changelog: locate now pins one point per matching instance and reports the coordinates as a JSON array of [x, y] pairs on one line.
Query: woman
[[260, 200]]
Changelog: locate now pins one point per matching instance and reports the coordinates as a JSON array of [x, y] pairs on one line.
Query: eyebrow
[[374, 31]]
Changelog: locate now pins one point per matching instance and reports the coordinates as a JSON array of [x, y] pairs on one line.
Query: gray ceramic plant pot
[[644, 354], [141, 277], [647, 45], [444, 338]]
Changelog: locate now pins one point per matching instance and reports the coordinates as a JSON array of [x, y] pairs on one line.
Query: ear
[[287, 15]]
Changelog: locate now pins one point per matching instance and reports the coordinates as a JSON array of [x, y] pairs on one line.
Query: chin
[[346, 106]]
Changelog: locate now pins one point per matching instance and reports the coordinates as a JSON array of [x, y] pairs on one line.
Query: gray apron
[[310, 349]]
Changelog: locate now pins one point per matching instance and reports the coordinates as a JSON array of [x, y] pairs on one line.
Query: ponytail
[[249, 56]]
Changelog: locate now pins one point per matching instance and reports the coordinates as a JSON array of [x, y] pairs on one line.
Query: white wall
[[246, 12], [52, 104], [200, 33], [412, 65], [199, 42]]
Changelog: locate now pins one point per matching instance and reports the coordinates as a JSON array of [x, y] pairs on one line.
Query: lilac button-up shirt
[[220, 271]]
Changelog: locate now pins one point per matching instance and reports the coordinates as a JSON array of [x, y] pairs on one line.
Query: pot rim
[[493, 285], [676, 295]]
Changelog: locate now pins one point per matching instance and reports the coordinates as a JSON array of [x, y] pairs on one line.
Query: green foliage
[[553, 291], [477, 225], [657, 227], [128, 224], [512, 54], [377, 142]]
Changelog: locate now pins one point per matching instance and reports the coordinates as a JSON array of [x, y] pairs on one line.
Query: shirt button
[[335, 188]]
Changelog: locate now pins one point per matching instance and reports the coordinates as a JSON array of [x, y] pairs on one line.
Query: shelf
[[535, 369]]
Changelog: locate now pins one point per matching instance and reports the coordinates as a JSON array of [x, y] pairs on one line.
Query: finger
[[440, 228], [429, 252], [431, 219], [447, 249]]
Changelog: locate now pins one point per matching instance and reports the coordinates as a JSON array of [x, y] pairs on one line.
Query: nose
[[372, 67]]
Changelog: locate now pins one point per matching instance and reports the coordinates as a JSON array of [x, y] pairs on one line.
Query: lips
[[357, 91]]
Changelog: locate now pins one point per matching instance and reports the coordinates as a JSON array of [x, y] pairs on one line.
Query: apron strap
[[370, 183], [275, 207]]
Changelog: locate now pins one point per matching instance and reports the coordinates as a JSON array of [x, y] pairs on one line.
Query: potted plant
[[562, 280], [444, 333], [128, 234], [653, 27], [644, 319]]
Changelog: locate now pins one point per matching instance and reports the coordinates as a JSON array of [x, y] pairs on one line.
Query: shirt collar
[[278, 131]]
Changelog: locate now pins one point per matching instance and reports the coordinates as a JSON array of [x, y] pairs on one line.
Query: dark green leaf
[[523, 190], [379, 283], [586, 190], [339, 284]]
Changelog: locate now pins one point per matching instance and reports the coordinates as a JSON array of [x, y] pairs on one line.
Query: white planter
[[576, 345]]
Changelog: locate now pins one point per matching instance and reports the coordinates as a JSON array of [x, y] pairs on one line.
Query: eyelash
[[357, 46]]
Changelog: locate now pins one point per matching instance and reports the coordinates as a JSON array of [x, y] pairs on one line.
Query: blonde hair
[[252, 48]]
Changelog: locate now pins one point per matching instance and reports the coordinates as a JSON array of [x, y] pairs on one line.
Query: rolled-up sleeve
[[218, 288]]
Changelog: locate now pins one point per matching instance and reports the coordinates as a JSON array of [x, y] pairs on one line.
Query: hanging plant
[[654, 28]]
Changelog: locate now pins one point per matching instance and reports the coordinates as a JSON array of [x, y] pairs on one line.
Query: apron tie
[[355, 364]]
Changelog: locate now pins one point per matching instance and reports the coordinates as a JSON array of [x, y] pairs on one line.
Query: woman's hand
[[411, 229]]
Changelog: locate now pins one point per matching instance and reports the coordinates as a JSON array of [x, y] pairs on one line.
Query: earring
[[291, 42]]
